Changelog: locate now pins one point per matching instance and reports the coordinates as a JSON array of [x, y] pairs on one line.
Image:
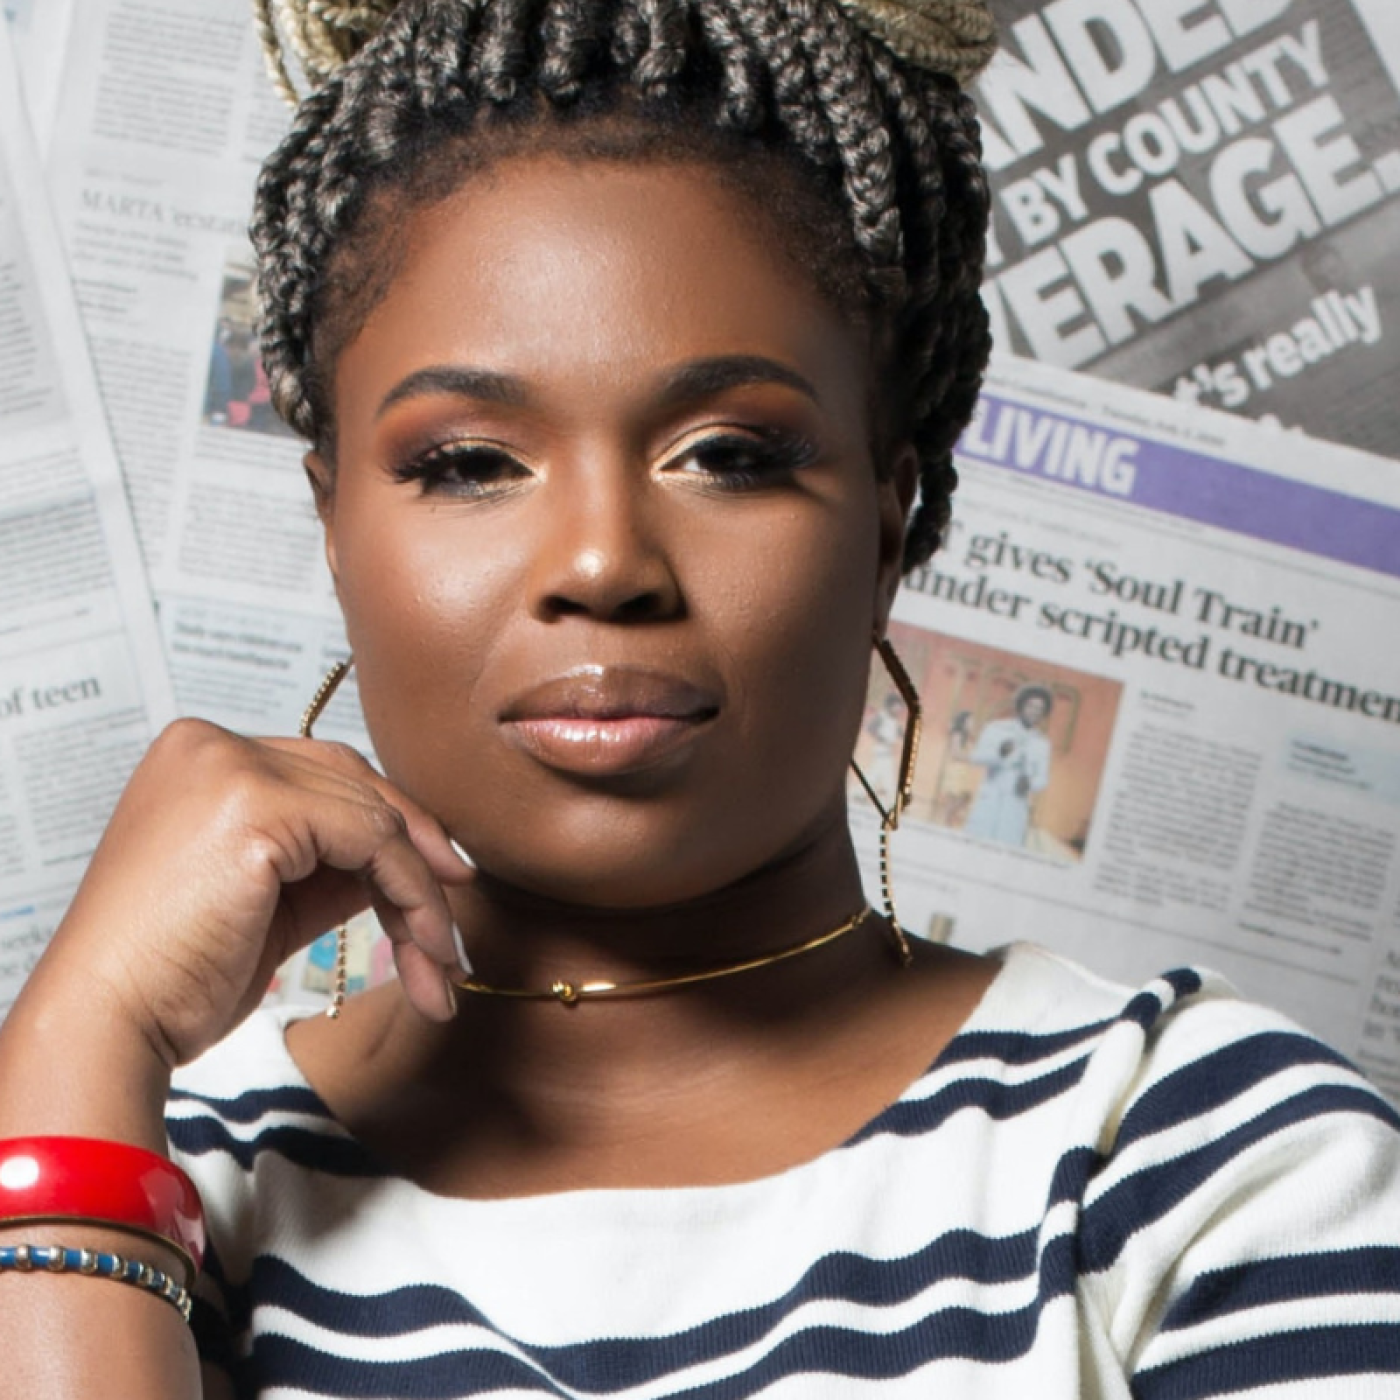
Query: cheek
[[422, 616], [806, 633]]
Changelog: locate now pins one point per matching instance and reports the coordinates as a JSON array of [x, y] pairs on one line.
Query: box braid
[[828, 84]]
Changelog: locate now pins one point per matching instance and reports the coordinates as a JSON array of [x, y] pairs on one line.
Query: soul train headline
[[1241, 639]]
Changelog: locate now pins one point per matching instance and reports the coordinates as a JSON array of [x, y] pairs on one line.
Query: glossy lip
[[608, 720]]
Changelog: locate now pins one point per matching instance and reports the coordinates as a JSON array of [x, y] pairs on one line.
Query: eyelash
[[463, 468], [756, 458], [762, 457]]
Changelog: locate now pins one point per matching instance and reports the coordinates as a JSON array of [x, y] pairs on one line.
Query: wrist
[[72, 1184], [157, 1253], [73, 1065]]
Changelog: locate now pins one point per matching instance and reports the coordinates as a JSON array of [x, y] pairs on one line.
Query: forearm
[[68, 1068], [223, 856]]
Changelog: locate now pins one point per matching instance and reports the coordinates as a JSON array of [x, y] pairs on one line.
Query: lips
[[603, 721]]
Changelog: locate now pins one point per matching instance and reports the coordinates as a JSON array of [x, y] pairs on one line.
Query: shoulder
[[1193, 1062], [1039, 993], [244, 1108], [1157, 1028], [224, 1112], [1236, 1185], [1182, 1054], [245, 1074]]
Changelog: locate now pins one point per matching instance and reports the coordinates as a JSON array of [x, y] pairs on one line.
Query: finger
[[331, 761], [429, 837], [367, 827], [327, 843], [426, 983], [404, 888]]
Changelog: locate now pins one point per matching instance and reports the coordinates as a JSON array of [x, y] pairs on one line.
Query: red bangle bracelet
[[91, 1181]]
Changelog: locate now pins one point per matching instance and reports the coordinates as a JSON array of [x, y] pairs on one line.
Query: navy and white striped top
[[1092, 1192]]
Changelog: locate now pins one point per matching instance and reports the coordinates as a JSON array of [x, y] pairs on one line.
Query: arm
[[1038, 764], [223, 857], [988, 751], [69, 1066]]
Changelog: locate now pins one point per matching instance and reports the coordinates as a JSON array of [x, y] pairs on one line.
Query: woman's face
[[607, 532]]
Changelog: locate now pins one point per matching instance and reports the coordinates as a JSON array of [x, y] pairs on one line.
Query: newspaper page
[[1161, 702], [82, 680], [165, 117], [1200, 197], [39, 31]]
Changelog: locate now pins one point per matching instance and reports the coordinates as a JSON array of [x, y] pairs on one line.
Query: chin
[[643, 857], [604, 876]]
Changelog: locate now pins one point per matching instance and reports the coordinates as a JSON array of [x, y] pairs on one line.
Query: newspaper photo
[[1203, 199], [1161, 699], [83, 687]]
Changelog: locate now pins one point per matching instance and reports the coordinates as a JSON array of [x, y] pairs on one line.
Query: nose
[[603, 555]]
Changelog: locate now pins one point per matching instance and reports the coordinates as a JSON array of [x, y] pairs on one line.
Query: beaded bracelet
[[59, 1259]]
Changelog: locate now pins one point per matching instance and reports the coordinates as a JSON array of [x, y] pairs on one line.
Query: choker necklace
[[569, 993]]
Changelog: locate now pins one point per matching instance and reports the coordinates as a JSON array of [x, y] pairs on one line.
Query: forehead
[[589, 276]]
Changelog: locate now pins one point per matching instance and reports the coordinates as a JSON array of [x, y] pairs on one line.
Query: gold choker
[[568, 993]]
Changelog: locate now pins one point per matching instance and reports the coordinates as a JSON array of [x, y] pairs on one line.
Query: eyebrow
[[703, 378], [457, 381], [698, 379]]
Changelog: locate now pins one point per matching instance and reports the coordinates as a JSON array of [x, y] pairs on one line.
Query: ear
[[322, 480], [898, 486]]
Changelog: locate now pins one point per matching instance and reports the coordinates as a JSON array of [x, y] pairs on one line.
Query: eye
[[464, 469], [740, 461]]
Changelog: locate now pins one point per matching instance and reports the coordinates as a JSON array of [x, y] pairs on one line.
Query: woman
[[625, 333], [1015, 754]]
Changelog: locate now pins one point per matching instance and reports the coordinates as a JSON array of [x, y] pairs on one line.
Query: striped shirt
[[1093, 1192]]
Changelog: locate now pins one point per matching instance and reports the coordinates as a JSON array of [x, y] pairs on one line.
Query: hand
[[224, 856], [1007, 748], [1023, 786]]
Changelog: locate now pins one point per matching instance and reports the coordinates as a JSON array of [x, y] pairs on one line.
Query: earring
[[904, 787], [310, 715]]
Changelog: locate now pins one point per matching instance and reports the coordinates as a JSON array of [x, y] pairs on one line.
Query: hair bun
[[957, 37], [319, 34]]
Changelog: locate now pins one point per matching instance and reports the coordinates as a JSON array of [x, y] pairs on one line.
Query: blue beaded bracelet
[[58, 1259]]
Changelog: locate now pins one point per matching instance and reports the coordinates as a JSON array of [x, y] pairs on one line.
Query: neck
[[517, 939], [721, 1081], [600, 1049], [600, 989]]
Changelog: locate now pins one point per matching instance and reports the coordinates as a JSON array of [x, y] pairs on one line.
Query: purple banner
[[1191, 485]]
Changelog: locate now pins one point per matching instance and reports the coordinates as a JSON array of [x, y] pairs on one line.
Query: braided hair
[[880, 155]]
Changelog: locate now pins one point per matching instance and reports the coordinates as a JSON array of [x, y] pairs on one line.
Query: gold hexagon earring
[[324, 692], [904, 786]]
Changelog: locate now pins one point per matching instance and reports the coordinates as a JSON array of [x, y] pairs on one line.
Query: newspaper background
[[1201, 199], [83, 687], [163, 117], [39, 30], [165, 114], [1213, 616]]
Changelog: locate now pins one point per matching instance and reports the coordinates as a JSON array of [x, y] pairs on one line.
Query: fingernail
[[461, 948], [461, 852], [449, 993]]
